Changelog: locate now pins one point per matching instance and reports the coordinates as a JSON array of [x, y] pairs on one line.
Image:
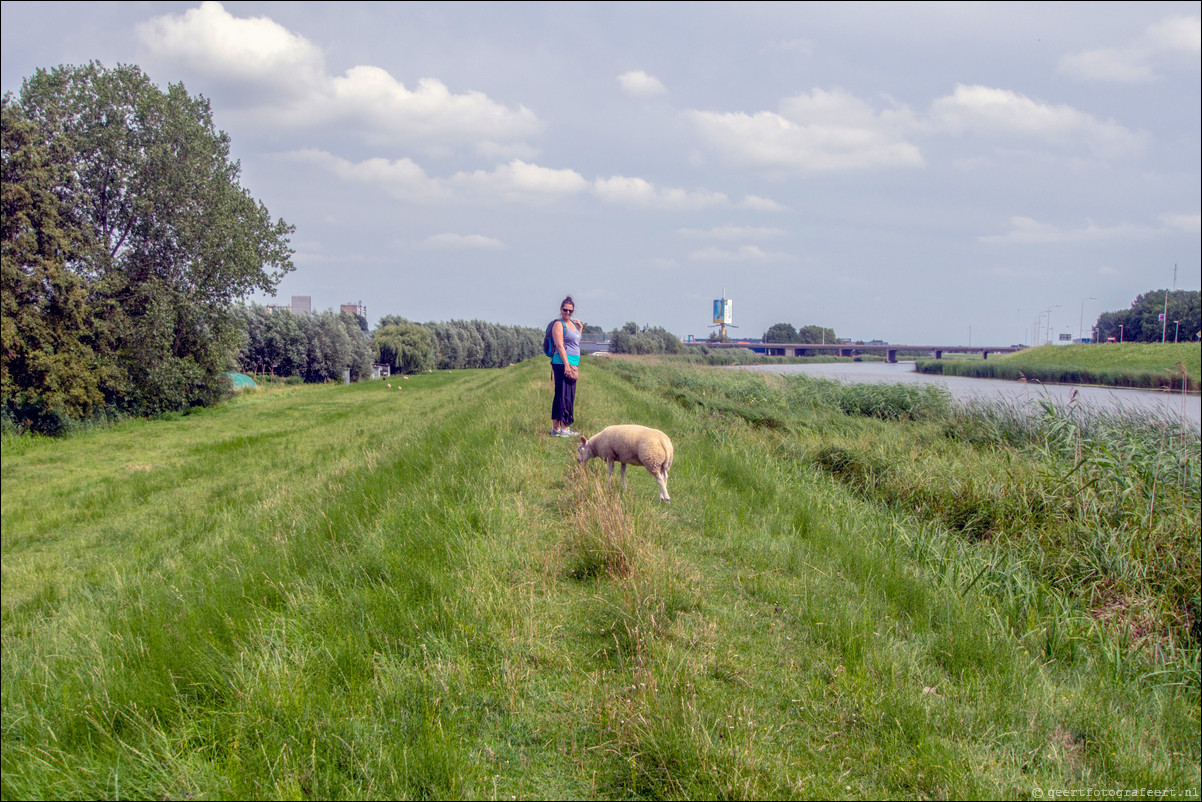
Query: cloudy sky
[[918, 173]]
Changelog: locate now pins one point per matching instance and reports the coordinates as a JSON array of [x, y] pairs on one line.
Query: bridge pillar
[[938, 354], [892, 359], [984, 355]]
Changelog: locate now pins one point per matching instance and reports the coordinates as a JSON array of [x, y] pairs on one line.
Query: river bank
[[1147, 366], [1026, 395]]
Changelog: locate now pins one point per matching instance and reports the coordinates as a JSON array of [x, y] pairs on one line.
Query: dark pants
[[562, 408]]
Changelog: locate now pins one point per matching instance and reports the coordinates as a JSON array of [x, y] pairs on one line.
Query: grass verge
[[1173, 366], [413, 593]]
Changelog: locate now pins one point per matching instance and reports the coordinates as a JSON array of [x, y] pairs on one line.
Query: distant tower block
[[302, 304], [355, 309]]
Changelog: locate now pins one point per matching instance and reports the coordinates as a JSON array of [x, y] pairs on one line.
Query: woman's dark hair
[[567, 300]]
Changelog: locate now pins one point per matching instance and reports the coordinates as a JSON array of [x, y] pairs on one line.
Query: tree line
[[1142, 323], [410, 347], [786, 333], [328, 346], [314, 348], [630, 339], [126, 239]]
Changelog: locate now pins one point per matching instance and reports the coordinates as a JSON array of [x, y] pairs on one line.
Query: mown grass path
[[414, 593]]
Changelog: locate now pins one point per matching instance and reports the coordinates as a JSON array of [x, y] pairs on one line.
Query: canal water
[[1167, 405]]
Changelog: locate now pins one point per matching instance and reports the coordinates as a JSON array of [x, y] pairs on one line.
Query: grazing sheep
[[631, 444]]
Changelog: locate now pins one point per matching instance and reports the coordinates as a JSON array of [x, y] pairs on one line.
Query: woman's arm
[[557, 339]]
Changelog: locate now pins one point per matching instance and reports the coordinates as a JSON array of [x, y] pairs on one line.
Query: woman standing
[[565, 367]]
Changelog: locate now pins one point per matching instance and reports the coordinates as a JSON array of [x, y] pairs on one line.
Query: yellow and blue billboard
[[724, 311]]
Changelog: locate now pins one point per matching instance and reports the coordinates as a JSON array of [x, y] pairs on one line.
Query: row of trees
[[412, 347], [785, 333], [327, 346], [316, 348], [1142, 322], [126, 240], [630, 339]]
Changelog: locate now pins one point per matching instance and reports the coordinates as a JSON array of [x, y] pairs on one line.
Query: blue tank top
[[571, 345]]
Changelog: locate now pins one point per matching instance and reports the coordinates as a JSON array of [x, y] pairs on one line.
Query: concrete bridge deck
[[856, 349]]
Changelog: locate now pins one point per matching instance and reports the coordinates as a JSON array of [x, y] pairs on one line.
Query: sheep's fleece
[[631, 444]]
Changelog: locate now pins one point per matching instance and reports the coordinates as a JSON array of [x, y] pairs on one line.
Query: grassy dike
[[1153, 366], [368, 592]]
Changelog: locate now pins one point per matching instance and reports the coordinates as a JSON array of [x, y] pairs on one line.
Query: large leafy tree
[[815, 334], [50, 371], [1142, 323], [781, 333], [406, 347], [177, 239]]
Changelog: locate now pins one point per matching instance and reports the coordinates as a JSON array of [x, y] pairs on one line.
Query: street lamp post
[[1176, 330], [1120, 332]]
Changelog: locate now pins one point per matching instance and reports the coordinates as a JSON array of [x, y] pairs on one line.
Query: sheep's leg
[[662, 478], [623, 475], [611, 469]]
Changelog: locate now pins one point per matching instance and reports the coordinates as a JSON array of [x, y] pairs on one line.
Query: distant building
[[355, 309], [302, 304], [273, 308]]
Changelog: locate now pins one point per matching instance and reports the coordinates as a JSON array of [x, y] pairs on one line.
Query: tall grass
[[414, 593], [1105, 506]]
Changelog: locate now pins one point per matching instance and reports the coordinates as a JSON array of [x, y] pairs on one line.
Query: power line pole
[[1164, 319]]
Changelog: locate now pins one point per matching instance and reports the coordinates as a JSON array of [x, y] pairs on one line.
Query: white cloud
[[1181, 35], [252, 50], [516, 181], [1108, 64], [640, 192], [1163, 44], [282, 79], [519, 181], [760, 204], [999, 112], [403, 178], [640, 84], [476, 242], [1027, 231], [731, 232], [815, 132], [745, 253], [1189, 223]]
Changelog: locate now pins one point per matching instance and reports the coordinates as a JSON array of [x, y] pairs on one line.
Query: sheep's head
[[583, 454]]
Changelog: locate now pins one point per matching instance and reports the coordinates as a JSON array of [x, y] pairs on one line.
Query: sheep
[[631, 444]]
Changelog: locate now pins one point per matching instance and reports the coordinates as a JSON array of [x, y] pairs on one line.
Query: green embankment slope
[[1138, 365], [412, 592]]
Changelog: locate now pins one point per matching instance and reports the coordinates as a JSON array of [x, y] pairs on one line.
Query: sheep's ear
[[583, 439]]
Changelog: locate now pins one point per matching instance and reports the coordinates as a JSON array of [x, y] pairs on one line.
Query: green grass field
[[1140, 365], [356, 591]]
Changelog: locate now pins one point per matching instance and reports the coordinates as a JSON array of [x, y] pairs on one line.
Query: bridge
[[857, 349]]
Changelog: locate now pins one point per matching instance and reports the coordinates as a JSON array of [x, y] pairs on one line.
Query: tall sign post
[[723, 315]]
